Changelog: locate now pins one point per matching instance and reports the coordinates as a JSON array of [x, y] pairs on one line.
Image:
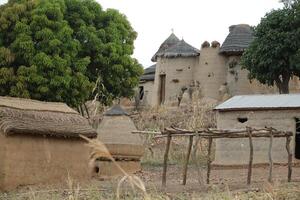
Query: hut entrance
[[141, 92], [297, 139], [162, 89]]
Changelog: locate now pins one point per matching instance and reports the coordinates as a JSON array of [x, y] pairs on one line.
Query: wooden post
[[288, 148], [209, 159], [164, 175], [270, 179], [81, 110], [251, 157], [86, 110], [185, 167]]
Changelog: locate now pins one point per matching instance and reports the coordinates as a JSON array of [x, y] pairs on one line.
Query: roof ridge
[[41, 110], [30, 100], [32, 104]]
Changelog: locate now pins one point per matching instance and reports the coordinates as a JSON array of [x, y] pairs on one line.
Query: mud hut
[[258, 111], [145, 91], [40, 143], [115, 131]]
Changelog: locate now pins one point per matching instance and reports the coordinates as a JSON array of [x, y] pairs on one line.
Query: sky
[[195, 21]]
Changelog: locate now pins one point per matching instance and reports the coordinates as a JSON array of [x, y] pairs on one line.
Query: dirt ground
[[233, 179]]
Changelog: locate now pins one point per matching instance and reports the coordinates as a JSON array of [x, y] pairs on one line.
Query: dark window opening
[[242, 119], [96, 170], [162, 90], [297, 139], [141, 92]]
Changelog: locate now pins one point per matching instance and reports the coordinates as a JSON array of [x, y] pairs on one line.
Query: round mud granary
[[115, 131]]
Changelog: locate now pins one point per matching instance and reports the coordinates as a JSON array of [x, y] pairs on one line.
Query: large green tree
[[273, 56], [56, 50], [107, 38]]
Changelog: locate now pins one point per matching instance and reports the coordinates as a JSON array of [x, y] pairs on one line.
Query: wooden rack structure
[[211, 134]]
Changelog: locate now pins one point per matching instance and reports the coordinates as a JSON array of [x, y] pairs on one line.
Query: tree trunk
[[282, 83], [285, 85]]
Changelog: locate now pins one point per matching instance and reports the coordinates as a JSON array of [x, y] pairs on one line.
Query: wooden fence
[[211, 134]]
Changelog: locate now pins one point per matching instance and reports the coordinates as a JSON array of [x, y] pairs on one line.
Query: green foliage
[[288, 3], [55, 50], [107, 37], [272, 56]]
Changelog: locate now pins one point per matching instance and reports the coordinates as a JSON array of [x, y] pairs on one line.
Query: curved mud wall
[[31, 160]]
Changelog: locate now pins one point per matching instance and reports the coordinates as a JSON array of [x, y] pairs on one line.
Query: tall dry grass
[[198, 114], [100, 150]]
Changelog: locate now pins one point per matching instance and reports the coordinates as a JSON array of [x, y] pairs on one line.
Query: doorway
[[162, 89], [141, 92], [297, 139]]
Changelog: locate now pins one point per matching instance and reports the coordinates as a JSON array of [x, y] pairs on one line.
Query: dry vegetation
[[197, 116], [268, 192]]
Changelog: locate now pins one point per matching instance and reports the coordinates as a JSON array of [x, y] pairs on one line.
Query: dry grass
[[100, 150], [197, 115], [268, 192]]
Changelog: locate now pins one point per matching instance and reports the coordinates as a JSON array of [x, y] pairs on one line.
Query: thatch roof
[[181, 49], [149, 74], [25, 116], [238, 39], [116, 110], [169, 42]]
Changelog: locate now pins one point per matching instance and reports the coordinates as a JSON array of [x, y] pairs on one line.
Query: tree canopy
[[56, 50], [273, 56]]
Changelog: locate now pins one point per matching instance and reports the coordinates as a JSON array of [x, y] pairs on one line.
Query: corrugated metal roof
[[261, 102]]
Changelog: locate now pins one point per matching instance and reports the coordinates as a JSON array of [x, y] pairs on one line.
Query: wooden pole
[[78, 109], [270, 179], [288, 148], [164, 175], [185, 167], [86, 110], [81, 110], [251, 157], [209, 159]]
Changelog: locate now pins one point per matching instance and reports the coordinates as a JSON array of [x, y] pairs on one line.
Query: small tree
[[272, 58]]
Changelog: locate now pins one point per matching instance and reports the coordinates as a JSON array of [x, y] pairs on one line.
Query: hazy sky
[[193, 20]]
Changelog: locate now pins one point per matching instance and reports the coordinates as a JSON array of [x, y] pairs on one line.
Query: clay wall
[[179, 74], [148, 93], [29, 160], [236, 151], [211, 72]]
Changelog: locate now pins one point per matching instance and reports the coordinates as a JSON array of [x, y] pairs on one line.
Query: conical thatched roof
[[149, 73], [31, 117], [181, 49], [169, 42], [115, 131], [238, 39], [116, 110]]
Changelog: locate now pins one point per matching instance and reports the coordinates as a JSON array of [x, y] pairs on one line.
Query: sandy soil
[[233, 179]]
